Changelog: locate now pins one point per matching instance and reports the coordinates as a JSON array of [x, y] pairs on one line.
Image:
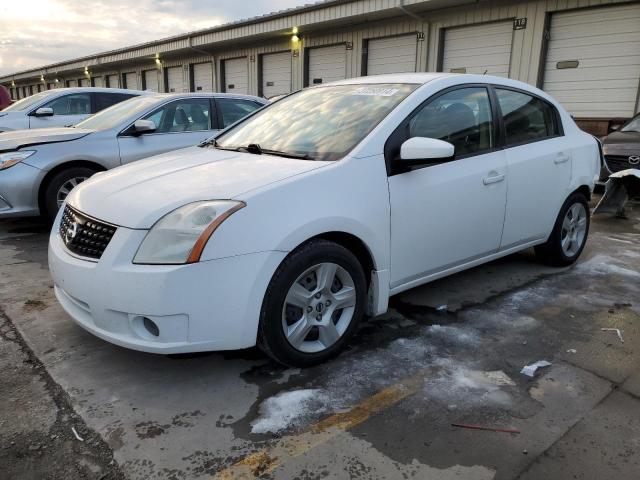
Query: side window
[[106, 100], [188, 115], [461, 117], [526, 118], [234, 109], [74, 104]]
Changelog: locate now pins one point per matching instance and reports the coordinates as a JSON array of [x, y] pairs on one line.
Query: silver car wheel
[[574, 229], [319, 308], [66, 188]]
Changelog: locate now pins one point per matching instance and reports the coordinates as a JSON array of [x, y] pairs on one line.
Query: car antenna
[[485, 72]]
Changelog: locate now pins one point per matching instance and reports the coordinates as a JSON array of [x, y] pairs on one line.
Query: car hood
[[138, 195], [624, 139], [16, 139]]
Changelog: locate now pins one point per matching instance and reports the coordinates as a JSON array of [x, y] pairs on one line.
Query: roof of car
[[94, 89], [207, 95]]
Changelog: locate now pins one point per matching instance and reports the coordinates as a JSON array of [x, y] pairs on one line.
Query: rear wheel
[[313, 304], [569, 234], [61, 185]]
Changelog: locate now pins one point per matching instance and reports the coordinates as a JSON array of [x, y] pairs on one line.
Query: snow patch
[[604, 265], [454, 335], [287, 409]]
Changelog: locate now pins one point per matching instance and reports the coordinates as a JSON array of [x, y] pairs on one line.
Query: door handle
[[561, 158], [493, 179]]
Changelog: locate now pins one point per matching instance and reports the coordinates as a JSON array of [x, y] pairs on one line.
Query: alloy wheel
[[574, 229], [319, 308], [66, 188]]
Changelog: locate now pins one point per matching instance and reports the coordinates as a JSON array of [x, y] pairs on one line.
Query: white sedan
[[310, 213]]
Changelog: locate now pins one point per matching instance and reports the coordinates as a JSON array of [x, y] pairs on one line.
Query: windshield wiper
[[256, 149]]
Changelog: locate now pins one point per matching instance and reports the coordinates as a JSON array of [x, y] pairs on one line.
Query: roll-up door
[[131, 81], [97, 82], [593, 61], [84, 82], [327, 64], [236, 75], [112, 81], [478, 49], [72, 83], [151, 80], [276, 74], [392, 54], [175, 80], [203, 77]]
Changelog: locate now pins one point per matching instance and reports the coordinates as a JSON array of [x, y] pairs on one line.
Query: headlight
[[11, 158], [180, 236]]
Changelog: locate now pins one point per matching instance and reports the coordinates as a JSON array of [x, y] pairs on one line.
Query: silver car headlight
[[180, 236], [9, 159]]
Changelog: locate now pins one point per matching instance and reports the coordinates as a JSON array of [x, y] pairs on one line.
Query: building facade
[[586, 53]]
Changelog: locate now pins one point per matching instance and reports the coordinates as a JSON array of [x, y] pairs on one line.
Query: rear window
[[105, 100]]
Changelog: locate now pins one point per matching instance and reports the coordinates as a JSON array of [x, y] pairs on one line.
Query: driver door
[[67, 111], [445, 215], [179, 124]]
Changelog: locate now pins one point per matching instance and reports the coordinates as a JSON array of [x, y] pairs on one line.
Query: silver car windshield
[[27, 102], [321, 123], [632, 126], [120, 112]]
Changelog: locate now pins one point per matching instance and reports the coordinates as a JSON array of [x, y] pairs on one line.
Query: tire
[[65, 178], [567, 240], [317, 328]]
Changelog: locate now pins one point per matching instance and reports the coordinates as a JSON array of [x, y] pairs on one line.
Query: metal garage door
[[236, 75], [151, 80], [112, 81], [593, 61], [478, 49], [175, 80], [276, 74], [72, 83], [131, 81], [203, 77], [327, 64], [392, 55], [84, 82], [97, 82]]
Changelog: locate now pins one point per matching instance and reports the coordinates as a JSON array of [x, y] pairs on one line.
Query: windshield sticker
[[376, 92]]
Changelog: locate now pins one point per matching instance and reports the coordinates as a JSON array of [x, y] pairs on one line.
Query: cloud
[[39, 32]]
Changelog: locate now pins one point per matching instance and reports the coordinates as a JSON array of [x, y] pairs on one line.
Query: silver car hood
[[139, 194], [16, 139]]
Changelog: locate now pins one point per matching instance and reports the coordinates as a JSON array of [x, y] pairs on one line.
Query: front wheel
[[569, 235], [61, 185], [313, 304]]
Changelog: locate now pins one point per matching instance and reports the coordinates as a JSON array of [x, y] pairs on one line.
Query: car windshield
[[27, 102], [632, 126], [320, 123], [119, 113]]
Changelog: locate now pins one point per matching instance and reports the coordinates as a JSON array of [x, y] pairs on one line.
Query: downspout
[[214, 67], [406, 11]]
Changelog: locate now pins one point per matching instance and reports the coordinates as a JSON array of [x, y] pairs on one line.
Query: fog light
[[151, 327]]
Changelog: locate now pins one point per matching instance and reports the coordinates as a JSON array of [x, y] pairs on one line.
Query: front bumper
[[212, 305], [19, 191]]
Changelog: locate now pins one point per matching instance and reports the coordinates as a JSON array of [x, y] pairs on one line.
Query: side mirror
[[614, 128], [422, 150], [43, 112], [141, 127]]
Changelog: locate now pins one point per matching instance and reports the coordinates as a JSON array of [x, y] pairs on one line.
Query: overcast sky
[[39, 32]]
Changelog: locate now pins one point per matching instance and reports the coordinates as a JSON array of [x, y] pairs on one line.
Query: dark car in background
[[622, 148]]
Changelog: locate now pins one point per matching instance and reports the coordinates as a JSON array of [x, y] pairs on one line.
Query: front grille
[[617, 163], [84, 235]]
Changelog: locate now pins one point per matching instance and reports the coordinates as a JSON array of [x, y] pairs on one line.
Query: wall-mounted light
[[42, 78], [57, 80], [295, 38], [13, 84]]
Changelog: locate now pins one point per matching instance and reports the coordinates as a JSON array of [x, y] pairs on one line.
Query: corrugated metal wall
[[272, 35]]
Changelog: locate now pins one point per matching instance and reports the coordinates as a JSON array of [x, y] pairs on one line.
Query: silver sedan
[[38, 168]]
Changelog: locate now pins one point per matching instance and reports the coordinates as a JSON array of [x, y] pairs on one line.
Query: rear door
[[539, 165], [179, 124], [67, 110]]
